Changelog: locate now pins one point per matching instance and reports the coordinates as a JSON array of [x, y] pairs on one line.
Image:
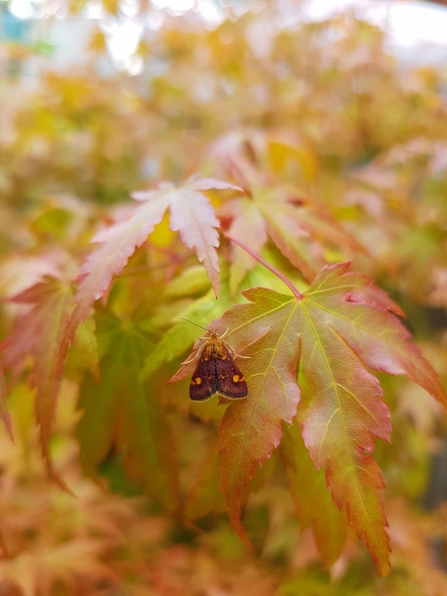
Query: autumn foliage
[[289, 194]]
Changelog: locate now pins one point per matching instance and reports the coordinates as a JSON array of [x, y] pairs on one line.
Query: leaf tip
[[54, 476]]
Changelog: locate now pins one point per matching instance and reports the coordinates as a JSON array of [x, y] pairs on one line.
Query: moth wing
[[230, 380], [203, 382]]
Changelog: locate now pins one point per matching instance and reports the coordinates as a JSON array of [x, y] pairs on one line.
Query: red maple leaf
[[340, 325], [38, 334]]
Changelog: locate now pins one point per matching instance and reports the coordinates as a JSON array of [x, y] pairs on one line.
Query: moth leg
[[192, 359], [232, 351], [240, 356]]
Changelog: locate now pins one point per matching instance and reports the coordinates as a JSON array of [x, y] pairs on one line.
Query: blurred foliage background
[[138, 94]]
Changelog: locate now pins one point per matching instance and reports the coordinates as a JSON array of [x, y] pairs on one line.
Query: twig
[[267, 265]]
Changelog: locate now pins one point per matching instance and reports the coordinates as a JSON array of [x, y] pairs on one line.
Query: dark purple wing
[[229, 379], [204, 381]]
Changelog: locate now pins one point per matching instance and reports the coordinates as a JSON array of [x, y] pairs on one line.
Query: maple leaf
[[247, 224], [249, 433], [341, 324], [286, 233], [191, 214], [38, 572], [38, 333], [314, 505], [121, 412], [86, 346], [301, 228], [292, 227], [204, 495]]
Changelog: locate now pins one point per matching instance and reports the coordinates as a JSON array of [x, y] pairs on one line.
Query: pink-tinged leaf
[[38, 334], [119, 243], [193, 216], [314, 219], [290, 240], [21, 271], [211, 183], [50, 568], [248, 226], [301, 232], [365, 321], [346, 323]]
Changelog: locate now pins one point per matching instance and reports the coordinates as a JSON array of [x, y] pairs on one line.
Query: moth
[[217, 372]]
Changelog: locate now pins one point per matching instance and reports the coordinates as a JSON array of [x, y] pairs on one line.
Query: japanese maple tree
[[299, 215]]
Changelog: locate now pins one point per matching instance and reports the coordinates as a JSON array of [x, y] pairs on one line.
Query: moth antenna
[[192, 323], [205, 329]]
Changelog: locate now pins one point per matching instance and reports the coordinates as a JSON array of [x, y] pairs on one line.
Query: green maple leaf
[[124, 413], [313, 502], [319, 344]]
